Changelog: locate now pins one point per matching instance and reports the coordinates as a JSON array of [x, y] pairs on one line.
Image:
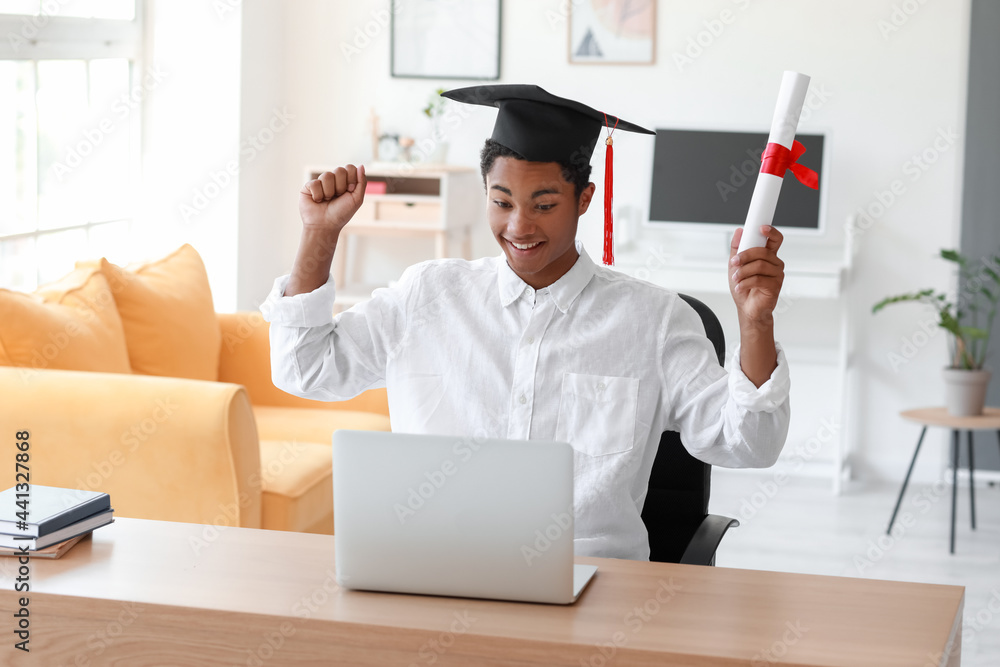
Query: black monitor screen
[[709, 177]]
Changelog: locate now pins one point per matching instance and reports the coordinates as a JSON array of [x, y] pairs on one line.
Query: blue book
[[48, 508], [81, 527]]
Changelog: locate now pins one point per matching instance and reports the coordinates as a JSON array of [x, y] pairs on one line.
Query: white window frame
[[46, 37]]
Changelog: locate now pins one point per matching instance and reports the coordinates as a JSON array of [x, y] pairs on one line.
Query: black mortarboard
[[545, 128]]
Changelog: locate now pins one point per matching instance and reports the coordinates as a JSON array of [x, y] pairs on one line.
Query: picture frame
[[612, 32], [445, 39]]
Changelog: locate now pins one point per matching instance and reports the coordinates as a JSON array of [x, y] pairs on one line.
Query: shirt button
[[600, 386], [522, 400], [529, 340]]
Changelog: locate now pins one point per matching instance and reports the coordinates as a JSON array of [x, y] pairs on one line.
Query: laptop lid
[[452, 515]]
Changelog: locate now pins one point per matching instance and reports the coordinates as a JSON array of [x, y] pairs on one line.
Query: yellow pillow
[[167, 312], [71, 324]]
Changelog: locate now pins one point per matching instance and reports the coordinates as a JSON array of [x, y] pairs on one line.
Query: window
[[69, 149]]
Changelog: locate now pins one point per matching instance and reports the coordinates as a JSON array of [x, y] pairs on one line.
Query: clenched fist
[[326, 205], [330, 201]]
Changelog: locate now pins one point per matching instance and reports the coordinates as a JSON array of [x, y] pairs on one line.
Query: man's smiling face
[[533, 213]]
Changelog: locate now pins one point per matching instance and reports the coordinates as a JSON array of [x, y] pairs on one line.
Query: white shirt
[[598, 359]]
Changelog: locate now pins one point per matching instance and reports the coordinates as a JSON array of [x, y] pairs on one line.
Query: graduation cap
[[545, 128]]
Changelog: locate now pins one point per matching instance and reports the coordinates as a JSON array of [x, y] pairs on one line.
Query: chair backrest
[[679, 484]]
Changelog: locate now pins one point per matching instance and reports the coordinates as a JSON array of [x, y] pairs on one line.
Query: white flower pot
[[965, 391], [440, 153]]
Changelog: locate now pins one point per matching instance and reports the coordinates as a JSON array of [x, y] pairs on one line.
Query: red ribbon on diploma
[[777, 159]]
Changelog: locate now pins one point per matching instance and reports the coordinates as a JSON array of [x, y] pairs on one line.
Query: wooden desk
[[151, 592]]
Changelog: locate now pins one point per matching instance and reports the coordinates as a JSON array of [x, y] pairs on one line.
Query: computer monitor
[[704, 179]]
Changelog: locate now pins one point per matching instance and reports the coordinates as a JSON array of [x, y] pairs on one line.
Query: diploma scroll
[[781, 152]]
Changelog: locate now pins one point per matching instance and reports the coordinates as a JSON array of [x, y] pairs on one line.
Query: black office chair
[[676, 510]]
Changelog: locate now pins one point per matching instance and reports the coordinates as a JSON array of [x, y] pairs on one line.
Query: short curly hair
[[576, 172]]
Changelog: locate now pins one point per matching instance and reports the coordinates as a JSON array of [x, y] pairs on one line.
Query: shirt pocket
[[597, 413]]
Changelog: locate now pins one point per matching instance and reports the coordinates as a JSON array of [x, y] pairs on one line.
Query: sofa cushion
[[296, 464], [71, 324], [168, 315], [312, 425], [296, 486]]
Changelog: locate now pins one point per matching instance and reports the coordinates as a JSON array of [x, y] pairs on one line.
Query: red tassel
[[609, 179], [609, 238]]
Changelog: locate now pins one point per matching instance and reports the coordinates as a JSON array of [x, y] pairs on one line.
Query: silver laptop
[[456, 516]]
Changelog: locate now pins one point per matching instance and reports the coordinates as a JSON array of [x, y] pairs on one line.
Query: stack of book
[[50, 519]]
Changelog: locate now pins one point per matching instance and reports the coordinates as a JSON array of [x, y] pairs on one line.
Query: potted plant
[[437, 150], [969, 321]]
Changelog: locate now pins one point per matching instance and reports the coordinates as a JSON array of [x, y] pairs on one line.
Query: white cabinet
[[440, 203]]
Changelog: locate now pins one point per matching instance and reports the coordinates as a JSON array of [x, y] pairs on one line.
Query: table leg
[[972, 482], [954, 485], [906, 481]]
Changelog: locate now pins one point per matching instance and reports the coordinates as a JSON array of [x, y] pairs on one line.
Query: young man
[[539, 342]]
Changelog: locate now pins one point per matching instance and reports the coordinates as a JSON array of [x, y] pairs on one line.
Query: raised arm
[[314, 354], [326, 205]]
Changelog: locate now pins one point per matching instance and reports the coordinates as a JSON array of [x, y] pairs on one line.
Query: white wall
[[888, 94], [190, 132], [267, 115]]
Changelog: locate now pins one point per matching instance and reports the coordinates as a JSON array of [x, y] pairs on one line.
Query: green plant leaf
[[953, 256], [916, 296], [949, 323]]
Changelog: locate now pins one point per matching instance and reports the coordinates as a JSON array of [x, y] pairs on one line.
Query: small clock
[[388, 147]]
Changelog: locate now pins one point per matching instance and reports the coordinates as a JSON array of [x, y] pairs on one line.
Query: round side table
[[988, 421]]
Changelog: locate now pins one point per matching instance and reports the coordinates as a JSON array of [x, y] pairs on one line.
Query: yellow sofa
[[90, 381]]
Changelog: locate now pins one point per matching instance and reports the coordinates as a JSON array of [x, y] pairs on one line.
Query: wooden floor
[[800, 526]]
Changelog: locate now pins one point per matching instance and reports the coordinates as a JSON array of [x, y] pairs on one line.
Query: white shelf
[[820, 356], [400, 226], [442, 202], [813, 281]]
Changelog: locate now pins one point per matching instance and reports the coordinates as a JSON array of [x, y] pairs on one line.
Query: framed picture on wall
[[445, 39], [621, 32]]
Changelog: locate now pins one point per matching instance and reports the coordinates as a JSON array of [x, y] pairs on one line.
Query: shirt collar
[[564, 291]]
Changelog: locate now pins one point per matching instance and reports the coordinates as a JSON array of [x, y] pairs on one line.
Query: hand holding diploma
[[780, 155], [756, 271], [755, 278]]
